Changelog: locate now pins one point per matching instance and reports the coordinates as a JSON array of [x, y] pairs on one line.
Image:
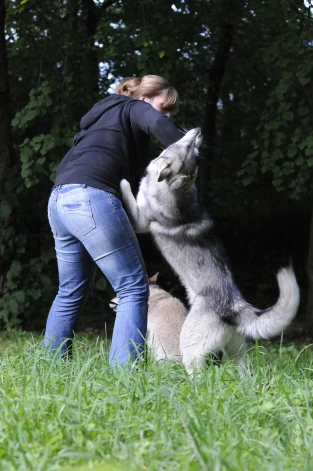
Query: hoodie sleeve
[[144, 117]]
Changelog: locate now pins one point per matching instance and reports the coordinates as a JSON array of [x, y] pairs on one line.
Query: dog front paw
[[124, 185]]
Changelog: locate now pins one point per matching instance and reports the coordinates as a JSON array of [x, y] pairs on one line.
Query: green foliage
[[24, 253], [27, 290], [65, 55], [284, 146], [40, 155]]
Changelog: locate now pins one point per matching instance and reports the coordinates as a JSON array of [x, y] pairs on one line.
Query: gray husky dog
[[166, 316], [219, 318]]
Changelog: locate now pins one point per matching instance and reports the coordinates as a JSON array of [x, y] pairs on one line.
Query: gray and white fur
[[219, 318]]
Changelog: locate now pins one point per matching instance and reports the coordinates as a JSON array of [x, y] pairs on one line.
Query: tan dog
[[166, 316]]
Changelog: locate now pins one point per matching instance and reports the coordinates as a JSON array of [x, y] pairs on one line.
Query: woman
[[86, 214]]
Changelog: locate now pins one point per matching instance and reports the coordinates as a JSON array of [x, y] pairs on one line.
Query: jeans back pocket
[[78, 216]]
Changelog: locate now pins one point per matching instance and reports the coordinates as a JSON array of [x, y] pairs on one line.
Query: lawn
[[76, 415]]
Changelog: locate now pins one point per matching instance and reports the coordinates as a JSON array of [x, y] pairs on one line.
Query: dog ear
[[153, 279], [179, 181], [164, 173]]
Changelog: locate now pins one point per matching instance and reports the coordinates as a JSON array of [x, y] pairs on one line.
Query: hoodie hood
[[101, 107]]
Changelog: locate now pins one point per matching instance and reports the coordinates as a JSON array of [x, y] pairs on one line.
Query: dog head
[[178, 164]]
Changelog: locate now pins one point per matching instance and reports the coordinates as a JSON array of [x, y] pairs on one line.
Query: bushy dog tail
[[258, 324]]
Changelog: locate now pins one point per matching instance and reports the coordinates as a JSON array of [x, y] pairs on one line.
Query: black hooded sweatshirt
[[113, 144]]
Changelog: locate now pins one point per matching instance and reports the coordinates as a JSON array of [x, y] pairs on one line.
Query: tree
[[5, 137], [284, 146], [229, 16], [57, 39], [225, 61], [5, 134]]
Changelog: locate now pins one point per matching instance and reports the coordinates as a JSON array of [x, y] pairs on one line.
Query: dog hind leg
[[203, 332], [236, 347]]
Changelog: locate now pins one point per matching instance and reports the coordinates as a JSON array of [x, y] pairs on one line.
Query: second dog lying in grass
[[166, 316]]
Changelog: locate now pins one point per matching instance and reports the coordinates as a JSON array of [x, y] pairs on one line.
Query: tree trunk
[[90, 59], [216, 74], [309, 310], [5, 141], [5, 127], [92, 16]]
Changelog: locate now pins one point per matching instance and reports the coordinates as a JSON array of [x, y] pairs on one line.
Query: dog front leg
[[136, 214]]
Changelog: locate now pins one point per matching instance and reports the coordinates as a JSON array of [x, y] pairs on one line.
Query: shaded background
[[243, 70]]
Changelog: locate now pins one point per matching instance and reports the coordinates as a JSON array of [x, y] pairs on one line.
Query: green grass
[[77, 415]]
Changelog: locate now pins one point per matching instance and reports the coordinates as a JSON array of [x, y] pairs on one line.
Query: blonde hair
[[149, 86]]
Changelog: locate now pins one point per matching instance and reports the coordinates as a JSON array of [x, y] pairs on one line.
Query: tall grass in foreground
[[77, 415]]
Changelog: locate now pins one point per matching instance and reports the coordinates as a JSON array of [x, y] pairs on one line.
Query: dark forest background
[[244, 72]]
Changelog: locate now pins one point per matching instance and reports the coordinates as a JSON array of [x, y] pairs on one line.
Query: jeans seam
[[141, 262], [120, 220], [111, 196], [54, 233], [57, 216], [130, 239], [88, 189]]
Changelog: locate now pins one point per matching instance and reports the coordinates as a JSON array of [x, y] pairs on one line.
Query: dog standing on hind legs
[[219, 318]]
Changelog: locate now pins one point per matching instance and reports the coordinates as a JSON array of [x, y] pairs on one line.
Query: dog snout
[[198, 137], [196, 132], [194, 135]]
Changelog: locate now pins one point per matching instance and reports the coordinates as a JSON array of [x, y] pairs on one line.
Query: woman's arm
[[144, 117]]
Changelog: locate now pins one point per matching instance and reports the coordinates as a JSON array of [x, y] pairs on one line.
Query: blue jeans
[[90, 226]]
